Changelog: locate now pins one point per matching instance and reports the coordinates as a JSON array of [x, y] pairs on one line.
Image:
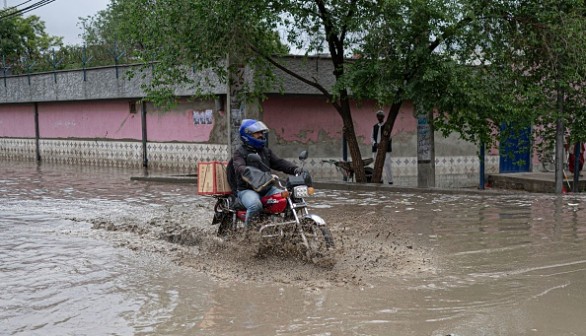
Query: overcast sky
[[61, 16]]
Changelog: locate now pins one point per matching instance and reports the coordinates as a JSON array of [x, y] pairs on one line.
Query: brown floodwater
[[87, 251]]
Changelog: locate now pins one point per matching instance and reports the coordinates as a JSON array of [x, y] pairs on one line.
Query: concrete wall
[[97, 121], [307, 122], [109, 133], [314, 123], [17, 121], [113, 82], [98, 84], [88, 120], [188, 122], [111, 119]]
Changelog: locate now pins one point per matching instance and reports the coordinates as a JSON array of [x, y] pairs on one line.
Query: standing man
[[377, 132]]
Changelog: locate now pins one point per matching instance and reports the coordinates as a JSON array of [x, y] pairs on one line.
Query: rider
[[253, 134]]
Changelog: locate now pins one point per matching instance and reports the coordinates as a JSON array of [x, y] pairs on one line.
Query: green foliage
[[547, 45], [478, 64], [222, 37], [27, 48], [103, 39], [173, 36], [24, 42], [434, 54]]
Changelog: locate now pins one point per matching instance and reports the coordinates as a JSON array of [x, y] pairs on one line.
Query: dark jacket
[[268, 157], [375, 129]]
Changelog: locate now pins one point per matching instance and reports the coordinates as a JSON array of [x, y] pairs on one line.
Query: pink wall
[[296, 118], [104, 120], [302, 118], [178, 126], [17, 121], [113, 120], [99, 119]]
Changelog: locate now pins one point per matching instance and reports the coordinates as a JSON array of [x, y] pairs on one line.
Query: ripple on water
[[497, 263]]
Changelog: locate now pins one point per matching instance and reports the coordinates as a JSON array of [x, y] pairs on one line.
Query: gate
[[515, 151]]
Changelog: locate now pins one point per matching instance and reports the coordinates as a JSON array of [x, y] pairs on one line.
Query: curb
[[348, 186], [166, 179], [403, 189]]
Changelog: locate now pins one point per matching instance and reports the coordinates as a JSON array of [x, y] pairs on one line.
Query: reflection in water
[[59, 282], [502, 265]]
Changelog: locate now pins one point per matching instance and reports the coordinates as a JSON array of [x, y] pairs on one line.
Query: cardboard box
[[212, 179]]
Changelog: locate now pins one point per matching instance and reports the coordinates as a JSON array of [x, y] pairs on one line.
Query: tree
[[458, 58], [436, 54], [409, 50], [547, 50], [206, 34], [102, 39], [478, 65], [24, 41]]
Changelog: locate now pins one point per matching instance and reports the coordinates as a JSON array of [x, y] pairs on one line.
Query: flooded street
[[86, 251]]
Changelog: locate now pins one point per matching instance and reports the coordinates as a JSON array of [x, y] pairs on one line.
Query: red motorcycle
[[285, 217]]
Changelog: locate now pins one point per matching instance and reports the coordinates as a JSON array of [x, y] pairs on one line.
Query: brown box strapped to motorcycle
[[212, 178]]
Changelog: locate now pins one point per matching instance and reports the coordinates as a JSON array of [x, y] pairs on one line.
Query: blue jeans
[[251, 200]]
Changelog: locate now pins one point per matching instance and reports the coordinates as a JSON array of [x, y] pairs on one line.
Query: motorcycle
[[347, 170], [285, 217]]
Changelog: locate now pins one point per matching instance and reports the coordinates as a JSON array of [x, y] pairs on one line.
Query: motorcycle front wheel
[[319, 240]]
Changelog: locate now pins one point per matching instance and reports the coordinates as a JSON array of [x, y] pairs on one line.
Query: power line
[[32, 7], [6, 8]]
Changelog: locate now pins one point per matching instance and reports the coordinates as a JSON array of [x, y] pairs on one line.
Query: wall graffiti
[[203, 117], [423, 139]]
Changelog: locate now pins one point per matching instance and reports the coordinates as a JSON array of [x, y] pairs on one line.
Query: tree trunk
[[350, 135], [559, 146], [425, 150], [237, 105], [382, 146]]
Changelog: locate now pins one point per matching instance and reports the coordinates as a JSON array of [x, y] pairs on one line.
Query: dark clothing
[[375, 129], [377, 135], [572, 159], [268, 157]]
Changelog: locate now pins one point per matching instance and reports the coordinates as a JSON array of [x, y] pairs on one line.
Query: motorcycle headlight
[[302, 191]]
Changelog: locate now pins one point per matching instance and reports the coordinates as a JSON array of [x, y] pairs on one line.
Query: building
[[96, 117]]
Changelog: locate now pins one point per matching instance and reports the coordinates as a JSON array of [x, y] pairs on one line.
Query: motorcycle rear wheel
[[226, 226]]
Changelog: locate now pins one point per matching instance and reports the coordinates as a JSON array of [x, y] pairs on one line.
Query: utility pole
[[230, 134]]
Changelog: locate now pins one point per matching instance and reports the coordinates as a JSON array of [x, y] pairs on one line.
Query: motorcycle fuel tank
[[274, 204]]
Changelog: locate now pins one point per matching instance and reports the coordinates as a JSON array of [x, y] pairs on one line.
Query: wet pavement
[[87, 251]]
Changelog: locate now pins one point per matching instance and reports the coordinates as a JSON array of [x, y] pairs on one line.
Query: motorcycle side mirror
[[303, 155]]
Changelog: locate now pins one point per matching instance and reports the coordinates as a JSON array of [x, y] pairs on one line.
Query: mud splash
[[368, 248]]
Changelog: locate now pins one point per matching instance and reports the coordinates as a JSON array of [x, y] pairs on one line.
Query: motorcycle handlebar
[[278, 181]]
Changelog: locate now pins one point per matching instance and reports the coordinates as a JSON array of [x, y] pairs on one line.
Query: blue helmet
[[250, 126]]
